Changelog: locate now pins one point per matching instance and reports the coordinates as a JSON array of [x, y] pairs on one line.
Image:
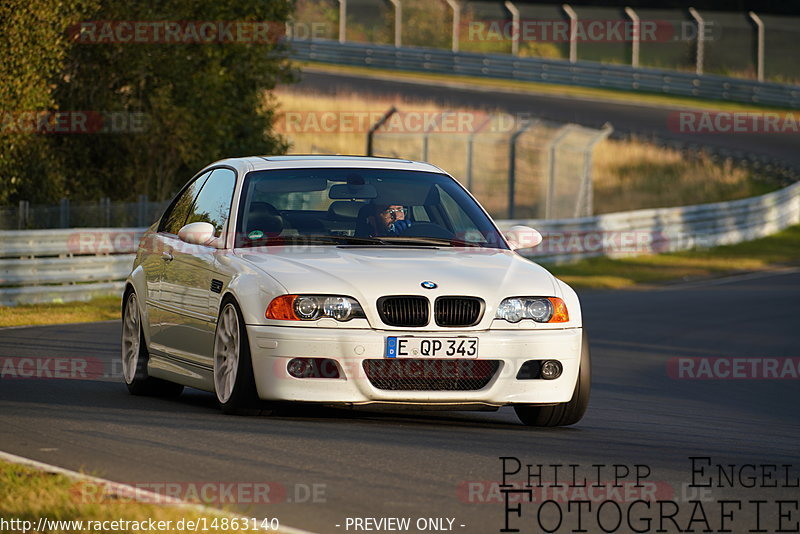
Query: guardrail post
[[512, 165], [456, 7], [573, 32], [636, 35], [759, 44], [701, 38], [63, 212], [342, 21], [514, 27]]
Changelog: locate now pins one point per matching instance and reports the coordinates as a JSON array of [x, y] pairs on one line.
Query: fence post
[[63, 212], [701, 38], [398, 23], [106, 203], [427, 132], [573, 32], [142, 219], [512, 165], [22, 214], [342, 21], [759, 45], [586, 192], [551, 163], [456, 7], [636, 37], [515, 29], [377, 125], [470, 142]]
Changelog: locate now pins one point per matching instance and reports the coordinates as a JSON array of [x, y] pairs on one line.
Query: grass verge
[[611, 95], [27, 494], [761, 254], [99, 309]]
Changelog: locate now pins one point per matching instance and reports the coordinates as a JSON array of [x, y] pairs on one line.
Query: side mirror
[[523, 237], [198, 233]]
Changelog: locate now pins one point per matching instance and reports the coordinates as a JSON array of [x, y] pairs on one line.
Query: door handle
[[167, 256]]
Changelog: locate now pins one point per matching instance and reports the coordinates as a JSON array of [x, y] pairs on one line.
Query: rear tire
[[565, 413], [234, 382], [135, 355]]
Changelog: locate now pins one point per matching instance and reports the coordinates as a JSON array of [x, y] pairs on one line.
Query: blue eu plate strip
[[391, 347]]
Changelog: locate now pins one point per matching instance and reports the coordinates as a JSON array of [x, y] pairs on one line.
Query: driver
[[390, 220]]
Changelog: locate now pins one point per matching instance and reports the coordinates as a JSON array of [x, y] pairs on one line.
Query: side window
[[174, 217], [213, 204]]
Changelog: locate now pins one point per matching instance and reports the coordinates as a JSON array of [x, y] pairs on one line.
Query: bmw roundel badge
[[427, 284]]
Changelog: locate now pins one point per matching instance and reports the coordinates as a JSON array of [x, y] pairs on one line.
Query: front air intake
[[406, 374]]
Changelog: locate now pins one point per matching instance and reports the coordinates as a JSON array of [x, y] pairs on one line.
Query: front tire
[[234, 382], [135, 355], [565, 413]]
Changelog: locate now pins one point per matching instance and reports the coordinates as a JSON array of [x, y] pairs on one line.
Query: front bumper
[[272, 347]]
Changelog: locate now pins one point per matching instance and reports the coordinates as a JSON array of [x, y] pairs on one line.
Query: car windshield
[[360, 208]]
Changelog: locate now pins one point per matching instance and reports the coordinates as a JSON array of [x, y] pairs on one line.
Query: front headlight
[[312, 307], [539, 309]]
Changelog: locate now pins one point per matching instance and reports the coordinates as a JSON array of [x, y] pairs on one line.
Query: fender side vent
[[216, 285]]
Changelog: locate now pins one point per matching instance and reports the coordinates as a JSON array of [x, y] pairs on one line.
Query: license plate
[[432, 347]]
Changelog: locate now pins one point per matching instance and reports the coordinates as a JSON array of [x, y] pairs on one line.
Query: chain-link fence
[[746, 44], [517, 168], [66, 214]]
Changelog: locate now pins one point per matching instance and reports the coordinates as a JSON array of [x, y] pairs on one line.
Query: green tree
[[33, 46], [202, 102]]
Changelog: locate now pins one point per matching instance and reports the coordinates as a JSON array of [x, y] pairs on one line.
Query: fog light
[[551, 369], [312, 368], [299, 368]]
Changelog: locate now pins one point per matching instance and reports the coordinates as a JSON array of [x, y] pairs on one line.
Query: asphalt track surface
[[628, 118], [367, 464]]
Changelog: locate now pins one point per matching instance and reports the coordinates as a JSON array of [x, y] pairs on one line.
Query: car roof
[[259, 163]]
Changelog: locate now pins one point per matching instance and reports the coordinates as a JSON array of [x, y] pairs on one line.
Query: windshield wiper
[[314, 239], [431, 241], [344, 239]]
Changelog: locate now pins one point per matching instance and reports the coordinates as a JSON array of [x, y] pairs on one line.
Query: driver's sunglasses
[[392, 212]]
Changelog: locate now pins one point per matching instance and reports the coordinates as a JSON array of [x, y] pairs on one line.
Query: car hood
[[367, 273]]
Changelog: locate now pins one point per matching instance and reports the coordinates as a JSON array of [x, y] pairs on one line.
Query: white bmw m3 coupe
[[348, 281]]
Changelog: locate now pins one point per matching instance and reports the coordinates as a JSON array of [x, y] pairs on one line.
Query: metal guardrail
[[38, 266], [651, 231], [581, 73], [46, 266]]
